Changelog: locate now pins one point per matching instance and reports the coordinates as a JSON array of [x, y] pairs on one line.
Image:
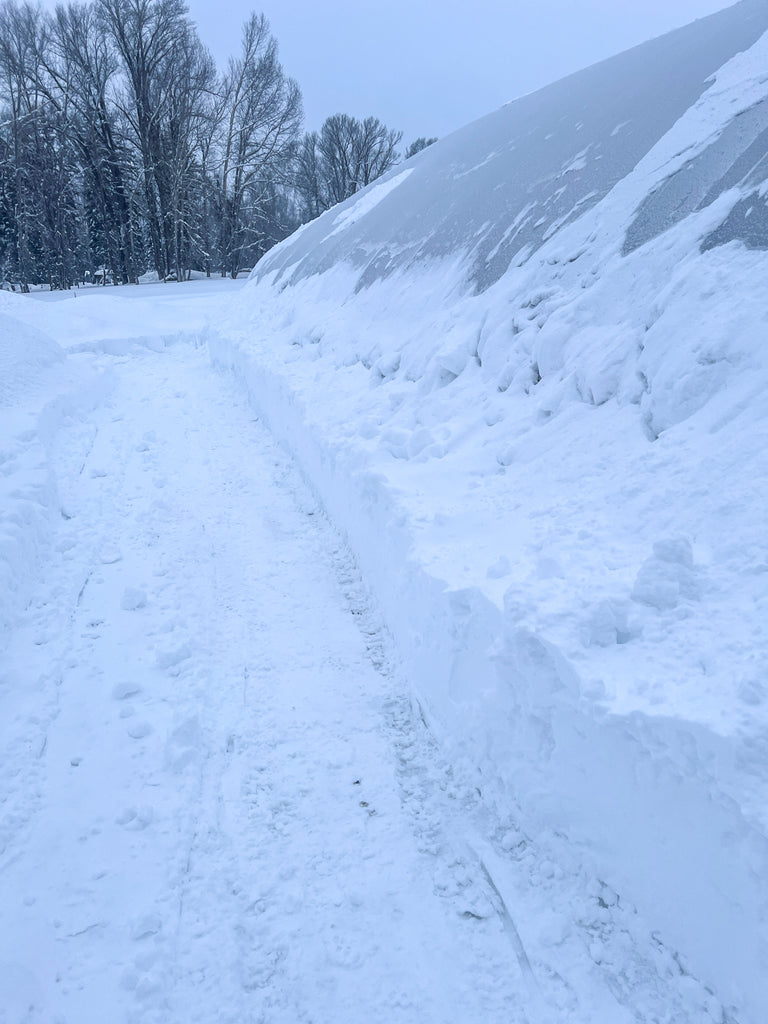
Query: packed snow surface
[[387, 639], [220, 800]]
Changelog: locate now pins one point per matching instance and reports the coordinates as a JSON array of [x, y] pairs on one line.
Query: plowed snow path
[[217, 804], [204, 821]]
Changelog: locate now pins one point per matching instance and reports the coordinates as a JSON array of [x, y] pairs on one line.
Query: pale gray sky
[[430, 66]]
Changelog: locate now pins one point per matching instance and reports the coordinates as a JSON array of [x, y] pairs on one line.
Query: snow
[[387, 638], [363, 204], [37, 389], [202, 816], [508, 180], [118, 320]]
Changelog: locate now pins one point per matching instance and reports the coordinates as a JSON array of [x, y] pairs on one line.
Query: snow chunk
[[667, 577], [172, 659], [606, 625], [133, 599], [501, 567]]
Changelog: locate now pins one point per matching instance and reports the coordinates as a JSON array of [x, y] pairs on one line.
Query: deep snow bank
[[502, 186], [37, 388], [545, 437]]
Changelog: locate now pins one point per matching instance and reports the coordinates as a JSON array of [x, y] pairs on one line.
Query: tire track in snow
[[240, 815], [269, 942], [218, 835], [593, 957]]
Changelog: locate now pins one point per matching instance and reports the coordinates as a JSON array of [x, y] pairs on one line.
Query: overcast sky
[[429, 66]]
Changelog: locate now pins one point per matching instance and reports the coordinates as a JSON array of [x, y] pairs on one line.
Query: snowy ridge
[[499, 188], [553, 485]]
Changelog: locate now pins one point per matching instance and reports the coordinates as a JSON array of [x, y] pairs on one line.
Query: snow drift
[[526, 373], [34, 384]]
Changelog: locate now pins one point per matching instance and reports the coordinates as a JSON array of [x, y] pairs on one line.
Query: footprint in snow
[[146, 926], [133, 599], [110, 555], [341, 952], [120, 691], [135, 819]]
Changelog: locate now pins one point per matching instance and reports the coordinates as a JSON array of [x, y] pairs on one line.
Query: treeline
[[123, 149]]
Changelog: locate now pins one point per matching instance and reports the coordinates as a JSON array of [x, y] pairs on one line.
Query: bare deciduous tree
[[262, 114], [417, 145], [79, 68], [42, 173], [160, 57], [345, 156], [122, 149]]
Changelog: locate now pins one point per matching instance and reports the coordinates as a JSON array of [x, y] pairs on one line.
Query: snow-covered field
[[414, 665]]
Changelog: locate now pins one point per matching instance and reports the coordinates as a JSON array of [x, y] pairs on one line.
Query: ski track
[[221, 804]]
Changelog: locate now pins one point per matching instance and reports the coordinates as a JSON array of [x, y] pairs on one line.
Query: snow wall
[[38, 388], [526, 374]]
